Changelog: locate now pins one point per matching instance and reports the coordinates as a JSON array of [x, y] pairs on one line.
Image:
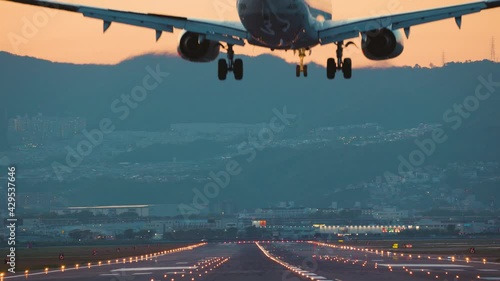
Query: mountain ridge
[[395, 98]]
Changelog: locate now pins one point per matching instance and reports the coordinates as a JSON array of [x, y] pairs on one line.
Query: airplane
[[279, 25]]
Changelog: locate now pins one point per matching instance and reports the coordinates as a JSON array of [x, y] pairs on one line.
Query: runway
[[274, 261], [353, 263]]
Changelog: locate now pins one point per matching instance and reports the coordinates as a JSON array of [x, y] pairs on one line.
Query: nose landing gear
[[230, 65], [301, 68]]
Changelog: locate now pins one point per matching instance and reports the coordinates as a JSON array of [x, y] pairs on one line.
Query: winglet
[[107, 24], [458, 20]]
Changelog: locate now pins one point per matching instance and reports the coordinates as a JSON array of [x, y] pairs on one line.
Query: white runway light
[[424, 265]]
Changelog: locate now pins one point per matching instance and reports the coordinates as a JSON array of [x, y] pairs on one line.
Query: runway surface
[[279, 261]]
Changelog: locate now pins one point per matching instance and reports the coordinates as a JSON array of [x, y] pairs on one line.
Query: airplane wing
[[229, 32], [338, 31]]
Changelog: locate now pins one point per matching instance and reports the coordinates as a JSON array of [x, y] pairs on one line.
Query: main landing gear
[[344, 65], [230, 65]]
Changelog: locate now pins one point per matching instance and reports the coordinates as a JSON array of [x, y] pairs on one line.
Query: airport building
[[293, 212], [345, 229], [390, 214], [139, 210]]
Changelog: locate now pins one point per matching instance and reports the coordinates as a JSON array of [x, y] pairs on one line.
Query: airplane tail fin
[[321, 8]]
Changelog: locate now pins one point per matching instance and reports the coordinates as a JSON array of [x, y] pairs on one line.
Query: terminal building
[[139, 210]]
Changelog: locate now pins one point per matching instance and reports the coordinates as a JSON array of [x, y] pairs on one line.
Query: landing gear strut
[[301, 68], [230, 65], [344, 65]]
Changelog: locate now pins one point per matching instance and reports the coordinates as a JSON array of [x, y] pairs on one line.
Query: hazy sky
[[69, 37]]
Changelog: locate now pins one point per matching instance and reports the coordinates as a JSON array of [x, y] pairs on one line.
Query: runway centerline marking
[[142, 273], [154, 268]]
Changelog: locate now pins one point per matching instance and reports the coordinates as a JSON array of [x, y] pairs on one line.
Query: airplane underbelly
[[275, 24]]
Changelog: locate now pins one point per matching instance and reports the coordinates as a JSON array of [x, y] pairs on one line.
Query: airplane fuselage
[[278, 24]]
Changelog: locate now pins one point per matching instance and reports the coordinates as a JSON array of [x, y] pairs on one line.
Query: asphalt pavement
[[292, 261]]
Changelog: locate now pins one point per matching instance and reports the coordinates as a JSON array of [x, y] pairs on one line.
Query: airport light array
[[198, 270], [147, 257], [440, 259], [296, 270], [389, 253]]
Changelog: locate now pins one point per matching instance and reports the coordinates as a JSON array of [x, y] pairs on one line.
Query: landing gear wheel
[[301, 67], [331, 68], [238, 69], [347, 68], [223, 69], [344, 65], [230, 65]]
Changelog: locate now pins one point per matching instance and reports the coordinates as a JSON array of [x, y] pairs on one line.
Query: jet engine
[[193, 49], [382, 44]]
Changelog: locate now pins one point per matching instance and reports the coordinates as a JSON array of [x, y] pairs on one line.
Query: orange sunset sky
[[70, 37]]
